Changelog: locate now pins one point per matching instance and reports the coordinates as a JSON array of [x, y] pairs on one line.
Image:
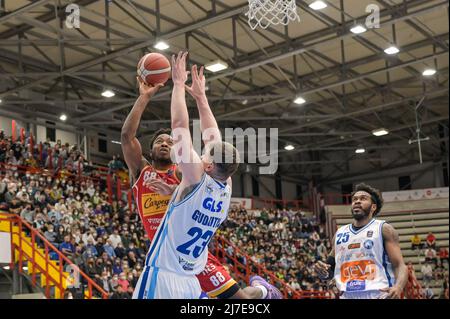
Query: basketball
[[154, 68]]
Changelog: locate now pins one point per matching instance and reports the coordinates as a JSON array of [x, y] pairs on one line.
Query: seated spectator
[[431, 241], [120, 293], [66, 247], [109, 249], [443, 255], [120, 251], [431, 255], [50, 234], [123, 282], [416, 242], [427, 273]]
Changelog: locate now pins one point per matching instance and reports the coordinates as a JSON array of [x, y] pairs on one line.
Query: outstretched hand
[[392, 293], [198, 87], [179, 73], [159, 186], [148, 90]]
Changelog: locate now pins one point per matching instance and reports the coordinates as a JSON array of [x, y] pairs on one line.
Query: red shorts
[[216, 281]]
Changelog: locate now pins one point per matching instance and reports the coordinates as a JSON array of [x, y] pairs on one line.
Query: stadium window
[[278, 188], [299, 192], [102, 146], [255, 186], [404, 182], [445, 172], [50, 131]]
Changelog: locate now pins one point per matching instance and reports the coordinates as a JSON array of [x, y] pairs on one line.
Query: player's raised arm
[[184, 154], [131, 148], [208, 123]]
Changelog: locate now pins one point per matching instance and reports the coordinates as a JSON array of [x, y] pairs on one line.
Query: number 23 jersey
[[361, 260], [181, 241]]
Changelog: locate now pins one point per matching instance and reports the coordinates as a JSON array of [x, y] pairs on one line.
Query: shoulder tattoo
[[389, 233]]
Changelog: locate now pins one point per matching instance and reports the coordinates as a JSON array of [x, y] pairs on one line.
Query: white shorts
[[371, 294], [155, 283]]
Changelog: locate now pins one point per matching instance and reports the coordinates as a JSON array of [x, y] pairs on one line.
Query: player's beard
[[162, 159], [361, 214]]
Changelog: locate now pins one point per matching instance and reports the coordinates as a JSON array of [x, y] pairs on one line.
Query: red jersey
[[150, 205]]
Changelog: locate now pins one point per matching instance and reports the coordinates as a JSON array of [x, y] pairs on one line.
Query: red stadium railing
[[25, 255], [244, 271]]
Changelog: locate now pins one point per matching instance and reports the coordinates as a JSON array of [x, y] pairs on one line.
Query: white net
[[264, 13]]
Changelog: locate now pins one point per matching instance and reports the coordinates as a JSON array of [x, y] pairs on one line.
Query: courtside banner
[[241, 202], [416, 194]]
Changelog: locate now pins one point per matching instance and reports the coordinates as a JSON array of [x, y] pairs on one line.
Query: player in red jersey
[[153, 184]]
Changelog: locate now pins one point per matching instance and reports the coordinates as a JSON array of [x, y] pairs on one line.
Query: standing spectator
[[431, 241], [416, 242], [427, 273]]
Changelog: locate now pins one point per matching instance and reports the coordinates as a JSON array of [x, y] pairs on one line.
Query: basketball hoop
[[264, 13]]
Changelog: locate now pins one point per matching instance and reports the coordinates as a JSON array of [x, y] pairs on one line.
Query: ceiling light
[[1, 101], [216, 66], [116, 142], [63, 117], [392, 50], [289, 147], [161, 45], [380, 132], [357, 29], [244, 102], [429, 72], [6, 267], [108, 93], [360, 150], [318, 5], [299, 100]]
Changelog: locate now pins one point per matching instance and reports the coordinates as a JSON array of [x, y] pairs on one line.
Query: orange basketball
[[154, 68]]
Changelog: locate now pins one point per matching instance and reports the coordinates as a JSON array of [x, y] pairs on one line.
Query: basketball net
[[264, 13]]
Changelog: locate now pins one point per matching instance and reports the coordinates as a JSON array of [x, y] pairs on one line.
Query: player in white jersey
[[366, 261], [198, 206]]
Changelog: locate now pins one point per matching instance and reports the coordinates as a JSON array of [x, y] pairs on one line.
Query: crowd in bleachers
[[434, 269]]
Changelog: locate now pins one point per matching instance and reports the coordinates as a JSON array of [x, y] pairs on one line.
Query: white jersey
[[362, 264], [181, 241]]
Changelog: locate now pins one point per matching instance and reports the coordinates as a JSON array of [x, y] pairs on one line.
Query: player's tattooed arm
[[392, 247]]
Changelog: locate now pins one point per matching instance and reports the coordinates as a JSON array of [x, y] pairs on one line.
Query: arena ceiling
[[350, 85]]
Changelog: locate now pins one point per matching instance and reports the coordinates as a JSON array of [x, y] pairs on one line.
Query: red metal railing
[[244, 271], [15, 220]]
